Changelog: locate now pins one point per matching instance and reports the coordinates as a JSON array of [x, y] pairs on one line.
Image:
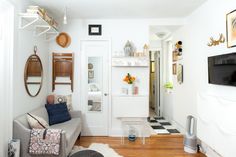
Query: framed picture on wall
[[174, 68], [95, 29], [175, 56], [90, 74], [231, 29], [180, 74]]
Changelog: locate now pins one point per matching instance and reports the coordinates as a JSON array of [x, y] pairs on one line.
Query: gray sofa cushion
[[70, 127]]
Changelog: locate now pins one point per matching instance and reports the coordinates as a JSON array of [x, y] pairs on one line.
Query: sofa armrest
[[23, 133], [75, 114]]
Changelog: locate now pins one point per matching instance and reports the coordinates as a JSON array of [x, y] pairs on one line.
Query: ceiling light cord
[[65, 16]]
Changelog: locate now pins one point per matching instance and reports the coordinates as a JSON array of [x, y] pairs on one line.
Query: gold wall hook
[[35, 49]]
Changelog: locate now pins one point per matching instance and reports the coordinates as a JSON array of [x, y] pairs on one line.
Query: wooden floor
[[156, 146]]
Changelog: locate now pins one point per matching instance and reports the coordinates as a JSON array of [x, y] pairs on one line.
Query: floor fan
[[190, 138]]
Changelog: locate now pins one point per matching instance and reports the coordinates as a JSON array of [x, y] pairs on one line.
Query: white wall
[[23, 48], [118, 31], [6, 70], [209, 20]]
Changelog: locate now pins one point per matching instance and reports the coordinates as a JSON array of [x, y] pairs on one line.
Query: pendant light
[[65, 16]]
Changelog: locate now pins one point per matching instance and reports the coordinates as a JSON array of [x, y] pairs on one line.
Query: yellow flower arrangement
[[129, 79]]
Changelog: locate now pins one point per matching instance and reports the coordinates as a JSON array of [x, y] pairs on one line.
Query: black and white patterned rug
[[161, 126]]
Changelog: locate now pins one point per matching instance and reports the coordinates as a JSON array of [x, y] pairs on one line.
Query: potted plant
[[169, 86], [129, 79]]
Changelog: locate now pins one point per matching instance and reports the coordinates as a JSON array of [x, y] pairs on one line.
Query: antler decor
[[216, 42]]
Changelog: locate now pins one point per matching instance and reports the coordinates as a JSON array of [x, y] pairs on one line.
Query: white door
[[95, 87]]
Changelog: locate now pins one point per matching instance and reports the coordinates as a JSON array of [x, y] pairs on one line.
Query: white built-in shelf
[[126, 95], [130, 61], [38, 25]]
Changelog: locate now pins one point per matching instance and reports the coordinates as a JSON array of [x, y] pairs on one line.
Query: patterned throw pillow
[[36, 122], [64, 98]]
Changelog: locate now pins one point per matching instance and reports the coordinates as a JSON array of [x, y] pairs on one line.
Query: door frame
[[158, 82], [161, 79], [109, 110]]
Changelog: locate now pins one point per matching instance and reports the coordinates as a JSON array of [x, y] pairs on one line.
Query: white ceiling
[[120, 8], [154, 32]]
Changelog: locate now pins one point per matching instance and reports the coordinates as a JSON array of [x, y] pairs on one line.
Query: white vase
[[130, 89]]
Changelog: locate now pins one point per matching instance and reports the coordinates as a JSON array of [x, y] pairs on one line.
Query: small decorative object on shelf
[[129, 49], [135, 90], [214, 42], [145, 50], [130, 81]]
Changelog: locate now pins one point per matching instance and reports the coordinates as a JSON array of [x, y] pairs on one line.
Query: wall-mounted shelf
[[125, 95], [36, 23], [130, 62]]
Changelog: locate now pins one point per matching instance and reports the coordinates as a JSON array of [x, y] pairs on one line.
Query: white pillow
[[36, 122], [64, 98]]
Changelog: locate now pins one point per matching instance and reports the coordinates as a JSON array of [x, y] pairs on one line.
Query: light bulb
[[65, 17]]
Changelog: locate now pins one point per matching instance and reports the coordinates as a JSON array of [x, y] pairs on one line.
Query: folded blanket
[[45, 141]]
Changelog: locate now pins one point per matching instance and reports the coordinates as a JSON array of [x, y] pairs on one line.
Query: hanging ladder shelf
[[36, 23]]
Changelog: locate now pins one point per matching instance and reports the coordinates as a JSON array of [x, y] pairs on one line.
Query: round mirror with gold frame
[[33, 75]]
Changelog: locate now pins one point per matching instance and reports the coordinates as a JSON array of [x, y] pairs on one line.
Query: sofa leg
[[79, 136]]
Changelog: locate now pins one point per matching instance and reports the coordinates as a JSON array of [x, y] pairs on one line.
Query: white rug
[[104, 149]]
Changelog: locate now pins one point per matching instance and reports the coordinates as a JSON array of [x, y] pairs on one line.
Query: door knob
[[105, 94]]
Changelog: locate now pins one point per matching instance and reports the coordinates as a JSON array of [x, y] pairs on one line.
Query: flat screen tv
[[222, 69]]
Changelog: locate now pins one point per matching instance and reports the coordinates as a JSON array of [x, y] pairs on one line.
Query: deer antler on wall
[[216, 42]]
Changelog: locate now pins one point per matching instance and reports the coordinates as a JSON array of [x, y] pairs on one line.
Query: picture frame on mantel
[[95, 29], [231, 29]]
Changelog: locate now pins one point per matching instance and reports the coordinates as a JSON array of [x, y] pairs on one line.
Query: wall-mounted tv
[[222, 69]]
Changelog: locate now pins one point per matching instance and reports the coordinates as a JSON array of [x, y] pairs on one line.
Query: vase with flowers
[[129, 79]]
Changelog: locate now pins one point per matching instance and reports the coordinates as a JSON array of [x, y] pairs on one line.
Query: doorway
[[154, 96], [95, 87]]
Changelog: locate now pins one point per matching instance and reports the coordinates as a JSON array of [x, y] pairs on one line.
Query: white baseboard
[[208, 151], [178, 126], [115, 132]]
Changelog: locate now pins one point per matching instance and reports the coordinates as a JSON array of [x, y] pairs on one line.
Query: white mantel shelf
[[124, 95], [130, 61]]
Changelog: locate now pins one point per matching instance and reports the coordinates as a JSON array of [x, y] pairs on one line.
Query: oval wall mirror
[[33, 75]]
